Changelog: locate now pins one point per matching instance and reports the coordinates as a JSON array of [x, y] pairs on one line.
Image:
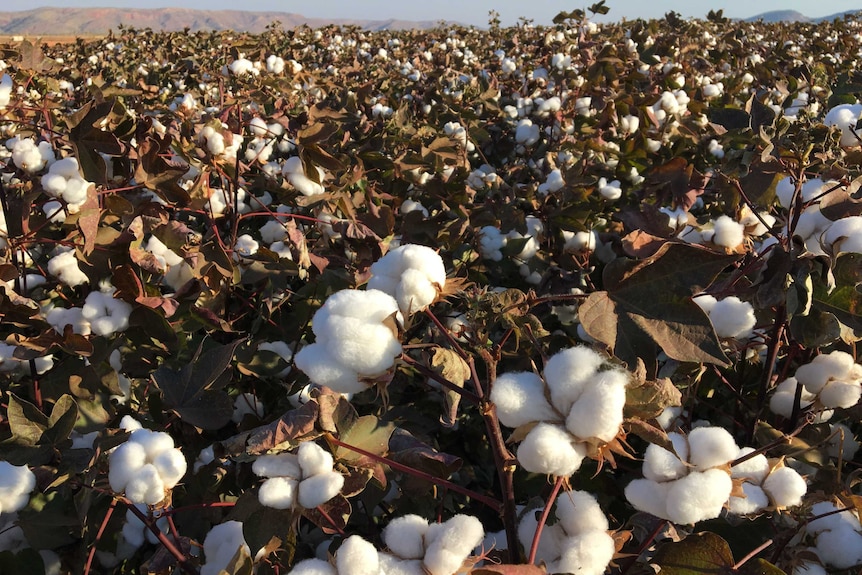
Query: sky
[[472, 11]]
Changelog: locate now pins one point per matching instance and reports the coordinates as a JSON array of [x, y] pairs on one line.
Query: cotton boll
[[840, 548], [756, 468], [312, 567], [662, 465], [321, 368], [579, 512], [373, 305], [840, 394], [16, 484], [313, 459], [146, 486], [278, 492], [698, 496], [648, 496], [64, 266], [246, 404], [357, 557], [319, 489], [567, 372], [550, 539], [171, 466], [277, 465], [154, 442], [809, 568], [842, 443], [732, 317], [391, 565], [586, 554], [785, 487], [124, 463], [843, 520], [549, 449], [459, 534], [728, 232], [520, 399], [404, 536], [367, 348], [711, 447], [755, 499], [822, 368], [294, 172], [598, 411], [844, 117], [221, 545]]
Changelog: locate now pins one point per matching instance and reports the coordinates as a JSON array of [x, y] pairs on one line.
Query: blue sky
[[473, 11]]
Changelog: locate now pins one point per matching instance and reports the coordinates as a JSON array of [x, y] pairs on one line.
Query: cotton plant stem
[[329, 519], [182, 560], [752, 554], [492, 503], [431, 374], [92, 554], [534, 546]]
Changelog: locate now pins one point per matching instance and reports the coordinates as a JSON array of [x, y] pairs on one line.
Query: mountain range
[[97, 21]]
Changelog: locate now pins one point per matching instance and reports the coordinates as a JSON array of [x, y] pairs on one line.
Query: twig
[[534, 546], [99, 533]]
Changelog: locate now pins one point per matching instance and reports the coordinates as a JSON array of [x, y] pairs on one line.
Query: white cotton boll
[[75, 193], [221, 545], [272, 231], [711, 447], [822, 368], [843, 235], [64, 266], [54, 184], [491, 241], [549, 541], [520, 399], [153, 442], [313, 459], [706, 302], [755, 499], [648, 496], [756, 468], [278, 492], [245, 246], [16, 484], [549, 449], [585, 554], [732, 317], [246, 404], [258, 127], [146, 486], [321, 368], [391, 565], [367, 348], [357, 557], [312, 567], [598, 411], [577, 242], [404, 536], [579, 512], [840, 394], [567, 372], [842, 520], [171, 466], [809, 568], [124, 463], [319, 489], [845, 117], [277, 465], [609, 190], [785, 487], [415, 292], [459, 534], [842, 443], [698, 496], [294, 172], [728, 232], [662, 465], [840, 548], [373, 305], [129, 423]]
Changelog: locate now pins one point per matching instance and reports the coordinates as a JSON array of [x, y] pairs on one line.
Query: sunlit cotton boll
[[64, 266], [16, 484], [567, 373], [413, 274], [551, 450], [710, 447], [698, 496], [844, 117], [731, 317], [221, 545], [294, 172], [728, 233], [448, 544], [404, 536], [844, 235], [837, 365], [357, 557], [597, 413], [107, 315], [520, 399]]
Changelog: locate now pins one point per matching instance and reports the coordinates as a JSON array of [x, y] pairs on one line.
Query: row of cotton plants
[[442, 301]]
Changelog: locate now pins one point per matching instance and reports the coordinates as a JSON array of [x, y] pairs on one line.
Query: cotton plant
[[64, 181], [304, 479], [29, 156], [175, 269], [294, 173], [689, 484], [16, 484], [765, 484], [578, 542], [63, 265], [574, 410], [411, 273], [147, 466], [730, 316], [838, 537], [830, 381], [221, 545]]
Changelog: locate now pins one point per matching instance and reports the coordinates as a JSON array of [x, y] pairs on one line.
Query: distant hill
[[794, 16], [94, 21]]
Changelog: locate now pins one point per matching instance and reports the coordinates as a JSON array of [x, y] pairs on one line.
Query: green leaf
[[844, 302], [367, 433], [648, 302], [700, 553], [759, 566], [62, 420], [49, 521], [26, 422]]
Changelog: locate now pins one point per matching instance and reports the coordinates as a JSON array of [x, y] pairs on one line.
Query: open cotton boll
[[662, 465], [391, 565], [278, 492], [318, 489], [549, 540], [153, 442], [598, 411], [124, 463], [755, 499], [368, 348], [821, 369], [16, 484], [578, 242], [566, 373], [373, 305], [840, 548], [730, 317], [221, 544], [785, 487], [404, 536], [171, 466], [698, 496], [844, 235], [313, 567], [313, 459], [784, 397], [450, 543], [321, 368], [107, 315], [246, 404], [357, 557], [842, 443], [294, 172], [64, 266], [549, 449], [809, 568], [277, 465], [840, 394], [146, 486], [579, 512], [586, 554], [844, 117], [491, 241], [520, 399], [413, 274], [841, 520], [728, 232], [710, 447], [756, 468], [648, 496]]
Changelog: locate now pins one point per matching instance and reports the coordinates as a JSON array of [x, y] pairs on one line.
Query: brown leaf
[[88, 220], [453, 368], [291, 426], [640, 244]]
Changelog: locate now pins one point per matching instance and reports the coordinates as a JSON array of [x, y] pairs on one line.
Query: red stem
[[543, 519], [99, 534]]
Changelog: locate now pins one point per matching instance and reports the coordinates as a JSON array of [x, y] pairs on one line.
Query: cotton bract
[[146, 466], [353, 345], [305, 478], [413, 274], [686, 486], [578, 406]]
